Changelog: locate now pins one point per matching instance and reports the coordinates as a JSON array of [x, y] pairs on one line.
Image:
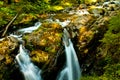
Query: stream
[[31, 72], [71, 69]]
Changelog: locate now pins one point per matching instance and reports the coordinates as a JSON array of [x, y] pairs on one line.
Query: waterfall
[[29, 70], [72, 69]]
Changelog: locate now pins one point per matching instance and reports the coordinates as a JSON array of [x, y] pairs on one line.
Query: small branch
[[6, 28]]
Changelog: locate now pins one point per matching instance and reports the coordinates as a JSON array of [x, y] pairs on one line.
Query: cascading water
[[30, 29], [79, 12], [29, 70], [72, 69]]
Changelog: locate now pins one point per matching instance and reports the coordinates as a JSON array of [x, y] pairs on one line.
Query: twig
[[6, 28]]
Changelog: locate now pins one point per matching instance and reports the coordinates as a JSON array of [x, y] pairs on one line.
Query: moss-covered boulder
[[7, 46], [44, 42], [8, 51], [88, 40], [45, 46], [106, 64], [99, 61]]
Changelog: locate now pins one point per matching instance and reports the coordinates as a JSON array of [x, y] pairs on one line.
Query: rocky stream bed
[[87, 25]]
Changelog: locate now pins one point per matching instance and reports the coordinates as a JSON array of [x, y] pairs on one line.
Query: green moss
[[46, 38], [111, 44], [1, 3], [112, 36], [26, 7], [6, 15], [112, 71], [89, 78]]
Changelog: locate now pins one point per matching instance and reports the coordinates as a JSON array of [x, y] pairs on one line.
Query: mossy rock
[[62, 16], [8, 51], [7, 46], [39, 56], [46, 39]]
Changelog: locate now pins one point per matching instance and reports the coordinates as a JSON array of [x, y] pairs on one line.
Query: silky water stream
[[72, 69], [29, 70]]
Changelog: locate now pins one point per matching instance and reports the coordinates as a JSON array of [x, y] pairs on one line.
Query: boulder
[[7, 46], [8, 51], [45, 45]]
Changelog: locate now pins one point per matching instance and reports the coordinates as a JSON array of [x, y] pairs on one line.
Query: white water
[[30, 29], [79, 12], [29, 70], [72, 69], [63, 24]]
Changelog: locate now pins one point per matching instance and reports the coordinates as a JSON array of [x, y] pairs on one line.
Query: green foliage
[[112, 71], [1, 3], [6, 14], [36, 6], [110, 49], [54, 2], [112, 36], [89, 78], [111, 42], [82, 1]]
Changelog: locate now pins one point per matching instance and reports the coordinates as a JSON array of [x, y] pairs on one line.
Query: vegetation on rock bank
[[108, 53], [102, 46]]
